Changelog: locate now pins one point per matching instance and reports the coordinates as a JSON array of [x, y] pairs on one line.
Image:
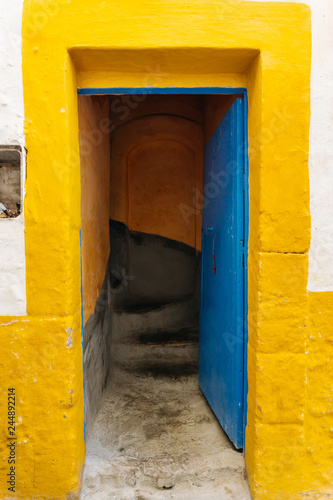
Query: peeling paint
[[69, 342], [10, 322]]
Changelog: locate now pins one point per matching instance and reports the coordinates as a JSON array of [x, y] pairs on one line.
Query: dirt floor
[[155, 437]]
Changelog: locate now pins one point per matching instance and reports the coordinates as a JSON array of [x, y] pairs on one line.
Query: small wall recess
[[10, 181]]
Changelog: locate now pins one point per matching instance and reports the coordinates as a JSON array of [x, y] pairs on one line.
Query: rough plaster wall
[[97, 298], [321, 149], [321, 146], [95, 182], [97, 336], [12, 250], [157, 168], [148, 271], [161, 174]]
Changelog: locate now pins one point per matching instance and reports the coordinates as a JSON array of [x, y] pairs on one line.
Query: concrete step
[[185, 476], [161, 353], [157, 438], [173, 316], [187, 335], [158, 360]]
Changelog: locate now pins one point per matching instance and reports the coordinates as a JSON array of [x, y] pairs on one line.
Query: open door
[[221, 344]]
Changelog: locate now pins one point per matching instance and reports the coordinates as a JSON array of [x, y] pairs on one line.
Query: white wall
[[321, 149], [12, 250]]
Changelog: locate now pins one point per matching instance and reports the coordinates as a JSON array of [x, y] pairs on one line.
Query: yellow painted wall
[[95, 196], [265, 46]]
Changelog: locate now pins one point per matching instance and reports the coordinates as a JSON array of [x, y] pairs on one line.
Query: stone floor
[[155, 437]]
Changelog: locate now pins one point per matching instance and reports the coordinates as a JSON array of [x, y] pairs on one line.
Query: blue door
[[221, 344]]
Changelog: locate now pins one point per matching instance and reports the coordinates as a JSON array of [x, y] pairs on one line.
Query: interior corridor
[[150, 431], [155, 437]]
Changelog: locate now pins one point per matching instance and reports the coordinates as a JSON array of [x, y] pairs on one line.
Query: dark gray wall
[[150, 270], [144, 272]]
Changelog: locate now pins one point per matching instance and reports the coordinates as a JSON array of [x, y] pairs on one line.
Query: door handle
[[209, 229], [214, 267]]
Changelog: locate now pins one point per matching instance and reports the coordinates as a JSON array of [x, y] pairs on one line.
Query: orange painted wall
[[157, 161], [162, 176], [154, 181], [215, 107], [95, 195], [157, 166]]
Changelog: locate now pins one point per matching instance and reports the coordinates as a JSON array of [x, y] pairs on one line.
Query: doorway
[[164, 238]]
